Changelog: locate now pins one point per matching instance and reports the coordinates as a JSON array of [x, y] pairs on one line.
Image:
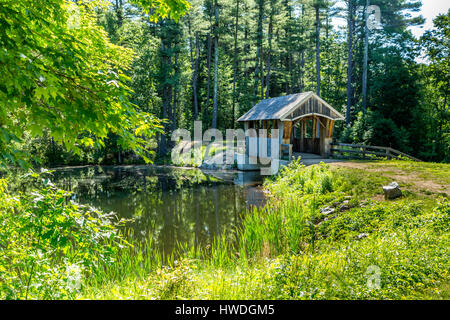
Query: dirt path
[[417, 182]]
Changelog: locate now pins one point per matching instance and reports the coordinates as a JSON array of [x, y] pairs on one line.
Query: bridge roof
[[290, 108]]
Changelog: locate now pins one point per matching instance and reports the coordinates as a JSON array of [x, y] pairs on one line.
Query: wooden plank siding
[[312, 107]]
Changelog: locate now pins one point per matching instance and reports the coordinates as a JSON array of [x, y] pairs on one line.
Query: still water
[[169, 205]]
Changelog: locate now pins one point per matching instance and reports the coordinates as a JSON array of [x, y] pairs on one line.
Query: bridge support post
[[325, 138], [326, 152]]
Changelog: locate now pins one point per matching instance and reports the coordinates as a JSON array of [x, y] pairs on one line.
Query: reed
[[290, 250]]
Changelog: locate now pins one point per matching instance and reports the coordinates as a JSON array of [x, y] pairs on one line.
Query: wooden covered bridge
[[305, 122]]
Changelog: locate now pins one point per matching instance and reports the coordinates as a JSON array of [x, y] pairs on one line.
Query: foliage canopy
[[61, 74]]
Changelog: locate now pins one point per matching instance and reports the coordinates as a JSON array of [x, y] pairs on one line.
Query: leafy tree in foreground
[[61, 74], [50, 245]]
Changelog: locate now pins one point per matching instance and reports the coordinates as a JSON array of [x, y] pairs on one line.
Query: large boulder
[[392, 191]]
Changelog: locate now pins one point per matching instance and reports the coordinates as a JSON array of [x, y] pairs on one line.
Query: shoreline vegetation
[[110, 82], [325, 233]]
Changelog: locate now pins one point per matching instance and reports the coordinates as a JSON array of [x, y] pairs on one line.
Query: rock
[[362, 236], [327, 210], [344, 206], [392, 191]]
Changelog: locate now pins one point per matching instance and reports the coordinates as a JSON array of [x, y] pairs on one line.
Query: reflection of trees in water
[[171, 206]]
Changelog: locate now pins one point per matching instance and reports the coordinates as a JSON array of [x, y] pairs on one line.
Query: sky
[[430, 10]]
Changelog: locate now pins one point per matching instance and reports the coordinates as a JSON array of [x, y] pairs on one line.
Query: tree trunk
[[194, 66], [302, 58], [170, 107], [269, 54], [291, 74], [349, 62], [235, 62], [216, 67], [259, 75], [261, 68], [195, 76], [119, 12], [366, 56], [175, 92], [162, 148], [208, 65], [290, 83], [317, 49]]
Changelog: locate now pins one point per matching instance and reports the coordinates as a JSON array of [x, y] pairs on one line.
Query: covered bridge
[[305, 122]]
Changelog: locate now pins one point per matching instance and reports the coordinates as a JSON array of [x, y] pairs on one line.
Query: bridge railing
[[352, 151]]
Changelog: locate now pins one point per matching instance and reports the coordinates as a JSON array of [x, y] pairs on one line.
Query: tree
[[259, 75], [235, 58], [216, 65], [366, 55], [119, 12], [437, 75], [350, 23], [270, 45], [194, 62], [62, 75], [318, 4]]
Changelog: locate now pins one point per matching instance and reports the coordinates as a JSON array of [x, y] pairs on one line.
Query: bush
[[373, 129], [298, 179], [49, 243]]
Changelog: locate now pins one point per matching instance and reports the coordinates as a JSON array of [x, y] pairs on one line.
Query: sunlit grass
[[290, 250]]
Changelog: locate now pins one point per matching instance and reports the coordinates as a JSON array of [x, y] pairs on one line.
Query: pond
[[169, 205]]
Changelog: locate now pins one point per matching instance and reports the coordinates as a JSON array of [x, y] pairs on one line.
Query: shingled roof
[[283, 108]]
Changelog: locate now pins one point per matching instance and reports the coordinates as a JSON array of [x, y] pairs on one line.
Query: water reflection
[[169, 205]]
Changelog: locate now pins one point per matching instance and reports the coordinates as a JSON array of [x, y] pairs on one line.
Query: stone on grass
[[344, 206], [392, 191], [327, 210]]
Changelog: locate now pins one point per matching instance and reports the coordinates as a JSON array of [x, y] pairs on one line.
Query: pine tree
[[216, 64], [351, 24]]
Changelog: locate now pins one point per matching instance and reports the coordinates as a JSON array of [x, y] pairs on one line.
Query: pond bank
[[292, 249], [169, 205]]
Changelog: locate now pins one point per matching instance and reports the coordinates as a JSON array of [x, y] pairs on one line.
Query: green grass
[[366, 249], [438, 172]]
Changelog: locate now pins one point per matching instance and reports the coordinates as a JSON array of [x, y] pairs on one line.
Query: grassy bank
[[326, 233]]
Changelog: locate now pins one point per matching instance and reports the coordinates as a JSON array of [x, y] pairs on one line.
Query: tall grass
[[290, 250]]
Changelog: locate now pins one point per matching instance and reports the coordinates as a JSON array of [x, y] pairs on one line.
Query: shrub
[[174, 282], [49, 244], [298, 179]]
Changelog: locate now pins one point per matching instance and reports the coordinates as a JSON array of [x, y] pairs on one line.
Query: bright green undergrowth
[[322, 235], [49, 244], [366, 249]]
